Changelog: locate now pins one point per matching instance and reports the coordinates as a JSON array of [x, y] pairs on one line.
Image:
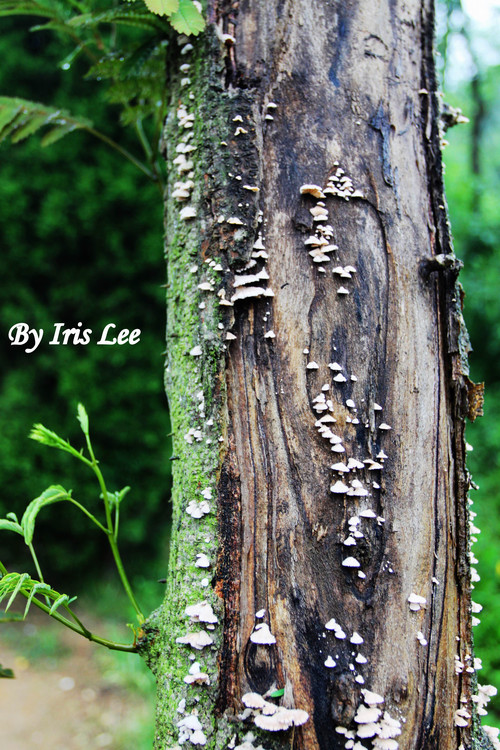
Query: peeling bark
[[355, 90]]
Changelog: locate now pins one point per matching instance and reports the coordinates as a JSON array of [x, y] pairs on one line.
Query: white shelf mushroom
[[197, 640], [262, 635]]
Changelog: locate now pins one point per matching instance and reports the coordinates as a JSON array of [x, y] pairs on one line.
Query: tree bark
[[355, 90]]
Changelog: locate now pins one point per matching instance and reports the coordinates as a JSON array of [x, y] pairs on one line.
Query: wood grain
[[350, 83]]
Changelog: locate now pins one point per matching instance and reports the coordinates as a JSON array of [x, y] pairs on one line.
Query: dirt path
[[67, 703]]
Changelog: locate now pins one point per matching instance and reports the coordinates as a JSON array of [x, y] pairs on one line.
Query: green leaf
[[188, 19], [131, 14], [162, 7], [56, 134], [10, 526], [15, 583], [52, 494], [69, 59], [8, 114], [115, 498], [83, 418], [47, 437], [277, 693], [29, 126], [37, 587], [20, 118], [62, 599], [14, 586], [5, 672]]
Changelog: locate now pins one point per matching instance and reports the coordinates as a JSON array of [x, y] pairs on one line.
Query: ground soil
[[62, 703]]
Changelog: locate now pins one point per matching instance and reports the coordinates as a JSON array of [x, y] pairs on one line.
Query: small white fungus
[[262, 635]]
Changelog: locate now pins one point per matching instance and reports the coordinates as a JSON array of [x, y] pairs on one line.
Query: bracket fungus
[[339, 488], [262, 635], [202, 561], [251, 291], [253, 700], [201, 612], [198, 510], [188, 212], [416, 602], [282, 719], [313, 190]]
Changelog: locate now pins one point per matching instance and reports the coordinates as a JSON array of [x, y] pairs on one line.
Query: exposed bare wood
[[354, 89]]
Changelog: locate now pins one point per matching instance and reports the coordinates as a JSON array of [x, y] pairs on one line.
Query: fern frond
[[43, 8], [136, 80], [128, 14], [20, 118], [137, 59]]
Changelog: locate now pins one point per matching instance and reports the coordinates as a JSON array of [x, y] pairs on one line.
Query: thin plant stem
[[111, 533], [37, 564], [81, 629], [38, 568], [88, 514], [123, 151]]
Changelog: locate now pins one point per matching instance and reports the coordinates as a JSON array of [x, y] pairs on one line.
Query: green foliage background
[[474, 206], [81, 238]]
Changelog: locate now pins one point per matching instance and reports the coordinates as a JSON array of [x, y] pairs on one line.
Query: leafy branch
[[132, 63], [37, 591], [20, 118]]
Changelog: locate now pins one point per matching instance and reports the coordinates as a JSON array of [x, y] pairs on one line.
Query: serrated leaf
[[188, 19], [62, 599], [56, 134], [6, 525], [137, 58], [15, 583], [21, 117], [22, 131], [43, 435], [129, 15], [52, 494], [83, 418], [38, 587], [8, 114], [162, 7], [69, 59], [18, 579]]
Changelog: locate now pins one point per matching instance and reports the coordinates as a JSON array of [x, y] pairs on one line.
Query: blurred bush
[[81, 240]]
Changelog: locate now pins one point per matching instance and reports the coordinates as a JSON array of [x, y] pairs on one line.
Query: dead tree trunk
[[317, 379]]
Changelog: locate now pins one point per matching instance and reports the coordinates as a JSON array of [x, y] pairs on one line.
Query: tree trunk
[[361, 576]]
